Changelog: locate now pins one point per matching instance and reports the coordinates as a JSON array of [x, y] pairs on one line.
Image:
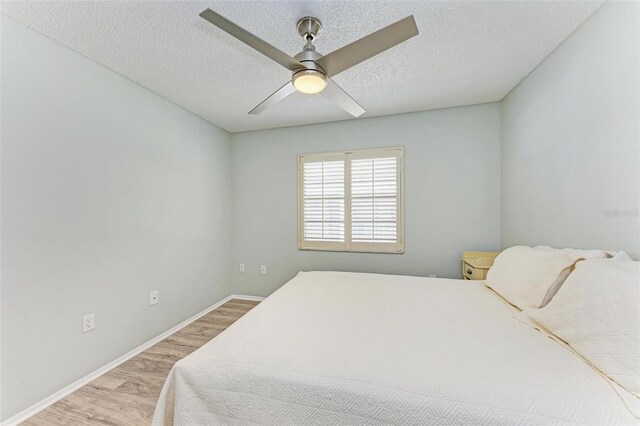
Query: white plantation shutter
[[351, 201], [374, 200], [323, 200]]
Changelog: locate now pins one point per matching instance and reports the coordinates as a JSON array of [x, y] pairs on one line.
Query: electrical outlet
[[88, 322], [263, 269], [242, 267], [153, 297], [432, 276]]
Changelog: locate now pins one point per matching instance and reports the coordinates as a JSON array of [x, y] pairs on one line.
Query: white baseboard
[[39, 406], [246, 297]]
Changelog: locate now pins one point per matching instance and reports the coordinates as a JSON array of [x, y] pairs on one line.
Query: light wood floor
[[127, 394]]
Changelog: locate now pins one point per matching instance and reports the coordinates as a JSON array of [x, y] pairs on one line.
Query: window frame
[[348, 245]]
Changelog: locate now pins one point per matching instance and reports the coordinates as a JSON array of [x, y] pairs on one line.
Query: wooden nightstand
[[476, 264]]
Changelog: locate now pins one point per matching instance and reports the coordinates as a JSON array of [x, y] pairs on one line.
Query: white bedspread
[[350, 349]]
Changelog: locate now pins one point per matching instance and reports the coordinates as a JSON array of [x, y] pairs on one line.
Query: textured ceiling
[[466, 52]]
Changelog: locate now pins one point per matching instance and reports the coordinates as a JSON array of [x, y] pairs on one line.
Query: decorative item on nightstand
[[476, 264]]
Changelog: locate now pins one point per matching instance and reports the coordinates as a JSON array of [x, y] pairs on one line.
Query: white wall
[[452, 183], [108, 192], [571, 141]]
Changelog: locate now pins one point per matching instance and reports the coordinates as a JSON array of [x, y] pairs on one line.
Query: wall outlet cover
[[88, 322], [242, 267], [263, 269], [153, 297]]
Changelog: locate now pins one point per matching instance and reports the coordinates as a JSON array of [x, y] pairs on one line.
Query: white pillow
[[582, 254], [597, 312], [622, 256], [526, 277]]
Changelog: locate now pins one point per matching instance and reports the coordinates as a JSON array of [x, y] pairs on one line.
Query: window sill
[[399, 251]]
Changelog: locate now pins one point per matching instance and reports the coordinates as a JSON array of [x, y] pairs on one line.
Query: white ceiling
[[466, 52]]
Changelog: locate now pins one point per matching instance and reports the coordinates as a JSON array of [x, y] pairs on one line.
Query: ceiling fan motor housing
[[307, 59]]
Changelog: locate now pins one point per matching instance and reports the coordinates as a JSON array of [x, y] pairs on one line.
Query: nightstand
[[476, 264]]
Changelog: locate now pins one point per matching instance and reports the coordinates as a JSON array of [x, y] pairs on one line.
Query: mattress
[[353, 349]]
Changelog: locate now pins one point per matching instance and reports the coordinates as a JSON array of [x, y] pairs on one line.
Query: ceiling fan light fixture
[[309, 81]]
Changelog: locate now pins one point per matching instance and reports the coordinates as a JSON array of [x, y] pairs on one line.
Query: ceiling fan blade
[[369, 46], [276, 97], [246, 37], [335, 94]]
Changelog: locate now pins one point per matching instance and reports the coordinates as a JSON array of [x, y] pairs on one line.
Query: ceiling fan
[[311, 71]]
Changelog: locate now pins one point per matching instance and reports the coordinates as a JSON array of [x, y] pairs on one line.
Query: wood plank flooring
[[127, 395]]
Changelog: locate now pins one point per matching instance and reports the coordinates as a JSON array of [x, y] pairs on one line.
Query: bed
[[349, 349]]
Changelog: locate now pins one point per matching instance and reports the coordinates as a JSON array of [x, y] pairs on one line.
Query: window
[[351, 201]]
